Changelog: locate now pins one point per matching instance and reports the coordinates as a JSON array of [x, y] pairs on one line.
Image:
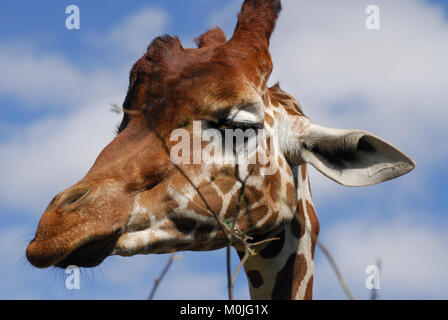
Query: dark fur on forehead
[[210, 38], [163, 55], [159, 54]]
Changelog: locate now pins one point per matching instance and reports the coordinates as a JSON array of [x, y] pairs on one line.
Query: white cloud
[[226, 17], [390, 81], [53, 153], [413, 254], [186, 285], [136, 32], [14, 280], [50, 80]]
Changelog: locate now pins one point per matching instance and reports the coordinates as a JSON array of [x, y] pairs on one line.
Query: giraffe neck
[[284, 269]]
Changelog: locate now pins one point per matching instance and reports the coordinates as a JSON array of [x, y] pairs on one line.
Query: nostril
[[72, 197]]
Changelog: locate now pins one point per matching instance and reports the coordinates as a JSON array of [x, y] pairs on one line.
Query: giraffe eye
[[244, 125], [224, 124], [243, 118]]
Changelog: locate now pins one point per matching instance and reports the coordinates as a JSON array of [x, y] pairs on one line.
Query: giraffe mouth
[[90, 254], [80, 236], [86, 252]]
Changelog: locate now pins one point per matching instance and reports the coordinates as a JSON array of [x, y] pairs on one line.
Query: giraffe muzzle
[[86, 250], [90, 254], [79, 228]]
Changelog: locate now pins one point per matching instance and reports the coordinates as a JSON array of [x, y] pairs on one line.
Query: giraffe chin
[[90, 254]]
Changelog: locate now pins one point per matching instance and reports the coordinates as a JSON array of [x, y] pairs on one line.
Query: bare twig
[[229, 271], [115, 108], [248, 252], [230, 278], [173, 257], [336, 270]]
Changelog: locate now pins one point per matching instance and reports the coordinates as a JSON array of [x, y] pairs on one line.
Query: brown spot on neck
[[309, 289], [289, 278], [300, 268], [255, 278], [315, 227], [269, 120], [274, 184], [214, 201], [301, 212], [303, 171]]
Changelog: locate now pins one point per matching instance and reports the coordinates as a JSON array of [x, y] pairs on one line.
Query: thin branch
[[262, 242], [230, 278], [173, 257], [336, 270], [248, 253], [229, 271], [243, 261], [115, 108]]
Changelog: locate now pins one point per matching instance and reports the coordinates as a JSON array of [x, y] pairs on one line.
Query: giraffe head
[[135, 199]]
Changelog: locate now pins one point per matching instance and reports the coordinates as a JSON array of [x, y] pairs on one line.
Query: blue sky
[[56, 87]]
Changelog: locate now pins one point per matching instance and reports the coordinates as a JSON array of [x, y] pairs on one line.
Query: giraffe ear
[[353, 157]]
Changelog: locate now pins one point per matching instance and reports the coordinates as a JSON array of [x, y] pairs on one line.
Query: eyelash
[[228, 124]]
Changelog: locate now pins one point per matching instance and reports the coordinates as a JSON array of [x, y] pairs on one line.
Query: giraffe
[[136, 200]]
